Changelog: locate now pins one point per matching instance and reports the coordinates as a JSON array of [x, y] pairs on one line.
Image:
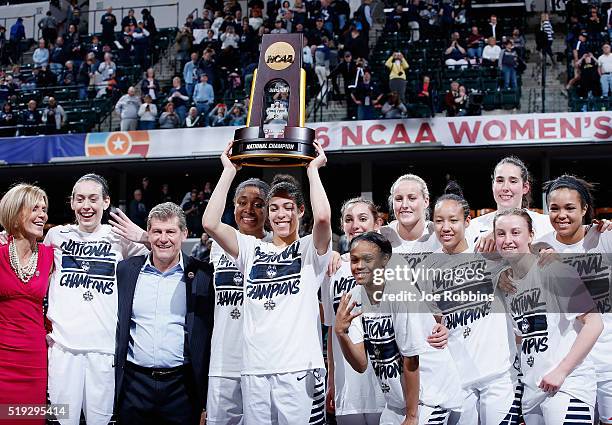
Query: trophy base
[[295, 149]]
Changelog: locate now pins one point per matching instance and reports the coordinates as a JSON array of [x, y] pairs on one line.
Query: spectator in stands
[[140, 41], [201, 250], [16, 35], [150, 85], [393, 108], [194, 209], [48, 26], [474, 43], [8, 118], [321, 60], [348, 70], [398, 66], [137, 210], [236, 116], [493, 29], [217, 117], [203, 96], [72, 41], [164, 194], [41, 54], [190, 73], [519, 43], [594, 24], [455, 54], [108, 68], [169, 118], [108, 22], [450, 100], [147, 114], [605, 70], [491, 52], [356, 41], [69, 76], [86, 74], [363, 16], [178, 96], [579, 50], [366, 97], [4, 57], [424, 93], [193, 118], [129, 19], [547, 29], [58, 56], [184, 44], [53, 116], [45, 78], [128, 107], [508, 63], [149, 22], [96, 48], [31, 116], [590, 84]]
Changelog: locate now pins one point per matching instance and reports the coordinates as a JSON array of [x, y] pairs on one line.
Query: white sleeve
[[573, 297], [356, 331], [326, 300], [246, 248]]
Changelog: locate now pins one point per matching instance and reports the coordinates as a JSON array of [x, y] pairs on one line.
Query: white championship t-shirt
[[480, 337], [282, 327], [483, 225], [226, 344], [393, 330], [592, 260], [82, 289], [426, 244], [354, 392], [544, 313]]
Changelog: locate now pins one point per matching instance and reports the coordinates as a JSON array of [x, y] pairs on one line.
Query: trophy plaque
[[275, 135]]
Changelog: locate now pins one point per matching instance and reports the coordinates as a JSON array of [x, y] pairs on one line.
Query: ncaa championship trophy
[[275, 135]]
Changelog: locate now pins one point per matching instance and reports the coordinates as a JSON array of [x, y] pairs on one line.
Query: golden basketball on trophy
[[275, 135]]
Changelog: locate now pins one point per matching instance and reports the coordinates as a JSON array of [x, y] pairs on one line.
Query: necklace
[[26, 272]]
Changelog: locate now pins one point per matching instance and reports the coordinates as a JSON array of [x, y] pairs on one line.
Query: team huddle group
[[135, 327]]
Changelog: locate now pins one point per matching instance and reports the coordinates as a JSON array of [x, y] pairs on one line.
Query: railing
[[320, 102], [97, 27], [8, 22]]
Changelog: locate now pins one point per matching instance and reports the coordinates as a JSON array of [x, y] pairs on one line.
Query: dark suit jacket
[[199, 320]]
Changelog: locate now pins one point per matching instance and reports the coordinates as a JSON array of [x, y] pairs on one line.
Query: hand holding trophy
[[275, 135]]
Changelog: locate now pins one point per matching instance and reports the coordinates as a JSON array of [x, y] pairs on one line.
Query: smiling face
[[166, 238], [365, 259], [34, 220], [509, 187], [358, 219], [408, 203], [450, 225], [88, 205], [566, 212], [512, 235], [284, 216]]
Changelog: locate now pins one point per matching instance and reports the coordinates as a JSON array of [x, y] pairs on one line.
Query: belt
[[157, 372]]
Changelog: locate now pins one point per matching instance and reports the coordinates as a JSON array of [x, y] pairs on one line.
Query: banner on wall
[[342, 136]]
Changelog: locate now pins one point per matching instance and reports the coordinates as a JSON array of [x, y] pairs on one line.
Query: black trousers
[[167, 400]]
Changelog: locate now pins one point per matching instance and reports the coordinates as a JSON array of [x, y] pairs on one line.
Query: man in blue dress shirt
[[165, 320]]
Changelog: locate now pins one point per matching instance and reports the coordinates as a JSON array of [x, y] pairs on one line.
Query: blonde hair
[[413, 178], [20, 199]]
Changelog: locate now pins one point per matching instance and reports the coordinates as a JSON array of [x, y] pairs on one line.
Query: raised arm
[[321, 211], [222, 233], [355, 354]]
